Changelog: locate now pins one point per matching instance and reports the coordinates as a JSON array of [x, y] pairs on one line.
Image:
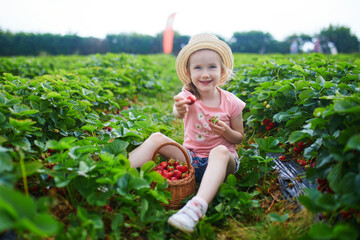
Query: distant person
[[317, 46], [333, 49], [294, 47], [213, 124]]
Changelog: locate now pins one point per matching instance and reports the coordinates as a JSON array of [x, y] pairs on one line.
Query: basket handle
[[186, 155]]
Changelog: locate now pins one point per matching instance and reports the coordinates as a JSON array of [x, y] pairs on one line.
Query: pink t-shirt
[[198, 136]]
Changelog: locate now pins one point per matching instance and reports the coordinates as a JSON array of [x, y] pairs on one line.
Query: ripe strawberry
[[301, 145], [159, 167], [164, 164], [303, 163], [345, 214], [170, 174], [176, 163], [159, 171], [266, 121], [165, 174], [282, 158], [268, 128], [271, 124], [107, 207], [170, 168], [297, 150], [177, 173], [184, 175], [171, 162], [192, 99], [182, 168], [49, 178], [174, 178]]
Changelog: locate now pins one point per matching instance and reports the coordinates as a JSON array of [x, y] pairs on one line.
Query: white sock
[[203, 203]]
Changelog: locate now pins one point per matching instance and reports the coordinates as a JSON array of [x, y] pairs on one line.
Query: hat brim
[[216, 45]]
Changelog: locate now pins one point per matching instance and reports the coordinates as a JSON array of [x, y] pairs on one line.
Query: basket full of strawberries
[[180, 176]]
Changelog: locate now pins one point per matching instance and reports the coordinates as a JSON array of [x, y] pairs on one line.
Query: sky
[[97, 18]]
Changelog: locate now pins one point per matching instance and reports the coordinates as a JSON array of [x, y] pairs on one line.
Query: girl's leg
[[145, 151], [220, 164]]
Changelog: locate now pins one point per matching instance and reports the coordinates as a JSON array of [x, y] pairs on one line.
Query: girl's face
[[205, 70]]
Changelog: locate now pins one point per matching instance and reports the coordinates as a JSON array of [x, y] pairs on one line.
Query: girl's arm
[[233, 134]]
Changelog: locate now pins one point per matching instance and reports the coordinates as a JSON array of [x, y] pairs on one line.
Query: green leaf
[[23, 109], [343, 231], [2, 118], [64, 143], [269, 145], [250, 179], [117, 221], [22, 212], [353, 143], [144, 208], [335, 176], [312, 150], [147, 167], [297, 136], [346, 106], [89, 128], [52, 95], [116, 147], [298, 68], [231, 180], [22, 125], [155, 176], [275, 217], [6, 163], [321, 231], [138, 183]]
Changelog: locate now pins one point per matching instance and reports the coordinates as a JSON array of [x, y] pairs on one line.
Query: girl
[[213, 124]]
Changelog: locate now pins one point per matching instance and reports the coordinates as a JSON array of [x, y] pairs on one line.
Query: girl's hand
[[219, 128], [180, 106]]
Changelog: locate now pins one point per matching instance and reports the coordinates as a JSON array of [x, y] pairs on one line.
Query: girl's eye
[[197, 67], [212, 66]]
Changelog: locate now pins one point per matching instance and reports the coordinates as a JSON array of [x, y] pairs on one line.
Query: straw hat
[[204, 41]]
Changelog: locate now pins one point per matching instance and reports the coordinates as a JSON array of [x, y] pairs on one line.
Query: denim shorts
[[200, 164]]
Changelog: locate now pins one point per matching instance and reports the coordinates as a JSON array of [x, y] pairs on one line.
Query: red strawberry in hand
[[192, 99]]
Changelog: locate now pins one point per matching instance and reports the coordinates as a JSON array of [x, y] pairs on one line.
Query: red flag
[[168, 38]]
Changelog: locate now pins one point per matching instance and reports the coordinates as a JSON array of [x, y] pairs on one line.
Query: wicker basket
[[182, 188]]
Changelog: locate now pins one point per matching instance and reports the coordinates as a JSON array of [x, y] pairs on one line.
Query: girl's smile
[[205, 70]]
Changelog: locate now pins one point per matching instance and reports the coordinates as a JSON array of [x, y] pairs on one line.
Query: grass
[[296, 225]]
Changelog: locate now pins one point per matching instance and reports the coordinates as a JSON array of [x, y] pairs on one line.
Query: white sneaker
[[188, 216]]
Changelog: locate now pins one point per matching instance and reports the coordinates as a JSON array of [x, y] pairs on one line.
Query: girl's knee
[[221, 149], [158, 138]]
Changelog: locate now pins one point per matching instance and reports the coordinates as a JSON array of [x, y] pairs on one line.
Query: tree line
[[31, 44]]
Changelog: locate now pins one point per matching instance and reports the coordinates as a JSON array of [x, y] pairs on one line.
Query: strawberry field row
[[68, 123], [311, 105]]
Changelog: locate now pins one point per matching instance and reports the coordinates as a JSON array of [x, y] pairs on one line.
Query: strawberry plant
[[67, 124]]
